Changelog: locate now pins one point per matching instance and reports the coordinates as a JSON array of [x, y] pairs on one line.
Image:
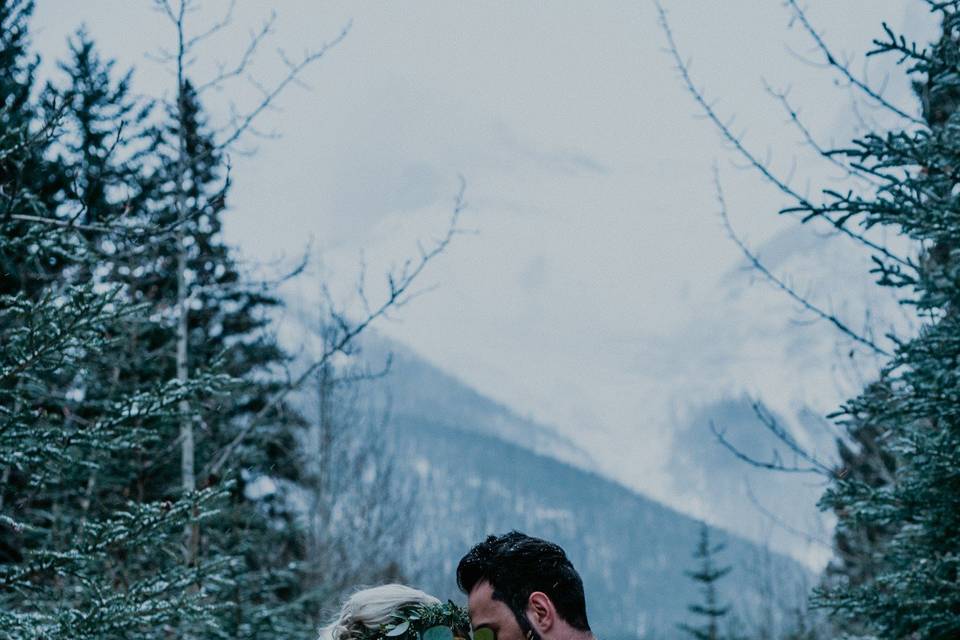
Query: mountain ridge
[[477, 469]]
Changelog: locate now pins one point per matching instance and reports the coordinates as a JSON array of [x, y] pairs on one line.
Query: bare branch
[[793, 114], [240, 68], [781, 434], [58, 222], [775, 464], [214, 28], [844, 68], [246, 120], [751, 159], [768, 421], [399, 294], [780, 284], [128, 230], [166, 8], [779, 522]]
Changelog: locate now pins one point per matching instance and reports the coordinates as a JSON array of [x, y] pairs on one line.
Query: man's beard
[[529, 633]]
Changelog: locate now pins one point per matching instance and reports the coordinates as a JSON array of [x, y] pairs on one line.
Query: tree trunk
[[187, 445]]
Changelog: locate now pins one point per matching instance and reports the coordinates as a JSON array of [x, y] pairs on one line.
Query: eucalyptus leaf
[[398, 630]]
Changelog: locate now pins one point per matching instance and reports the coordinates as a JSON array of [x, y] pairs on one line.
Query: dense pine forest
[[169, 470], [142, 388]]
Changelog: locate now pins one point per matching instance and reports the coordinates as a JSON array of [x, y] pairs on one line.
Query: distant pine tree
[[104, 138], [228, 315], [706, 575]]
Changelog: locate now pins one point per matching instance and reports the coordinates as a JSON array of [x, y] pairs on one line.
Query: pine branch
[[851, 171]]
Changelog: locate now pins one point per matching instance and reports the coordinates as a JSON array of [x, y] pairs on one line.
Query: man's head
[[522, 587]]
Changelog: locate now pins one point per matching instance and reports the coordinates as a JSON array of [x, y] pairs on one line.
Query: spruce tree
[[706, 576], [33, 184], [226, 321], [104, 139], [866, 458], [898, 501], [76, 560], [125, 318], [913, 587]]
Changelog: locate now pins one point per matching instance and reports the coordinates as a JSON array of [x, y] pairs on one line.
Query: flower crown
[[447, 621]]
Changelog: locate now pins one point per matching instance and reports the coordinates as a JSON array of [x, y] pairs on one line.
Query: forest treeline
[[154, 472]]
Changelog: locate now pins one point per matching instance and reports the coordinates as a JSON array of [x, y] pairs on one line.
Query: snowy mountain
[[631, 551], [748, 341], [481, 469], [419, 390]]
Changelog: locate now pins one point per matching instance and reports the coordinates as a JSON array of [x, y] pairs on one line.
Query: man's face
[[492, 614]]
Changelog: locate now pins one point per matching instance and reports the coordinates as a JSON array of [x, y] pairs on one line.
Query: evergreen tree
[[866, 459], [913, 586], [73, 565], [33, 256], [898, 501], [139, 384], [226, 321], [104, 140], [33, 185], [706, 575], [115, 183]]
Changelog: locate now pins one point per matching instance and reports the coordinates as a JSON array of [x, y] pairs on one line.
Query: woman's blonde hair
[[372, 607]]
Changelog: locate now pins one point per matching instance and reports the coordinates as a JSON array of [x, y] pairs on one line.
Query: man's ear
[[541, 612]]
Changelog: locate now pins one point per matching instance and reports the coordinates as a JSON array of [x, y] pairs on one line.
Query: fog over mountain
[[596, 291], [710, 372], [563, 365], [478, 468], [797, 366]]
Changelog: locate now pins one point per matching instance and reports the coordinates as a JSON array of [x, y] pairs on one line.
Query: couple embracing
[[518, 588]]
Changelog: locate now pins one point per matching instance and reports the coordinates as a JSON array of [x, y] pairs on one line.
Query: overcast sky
[[599, 293]]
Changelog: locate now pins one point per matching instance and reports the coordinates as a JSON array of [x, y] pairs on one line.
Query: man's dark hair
[[517, 565]]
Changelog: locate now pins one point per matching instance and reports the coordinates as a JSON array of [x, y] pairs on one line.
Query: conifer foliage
[[706, 575], [81, 556], [896, 491], [140, 386], [910, 501]]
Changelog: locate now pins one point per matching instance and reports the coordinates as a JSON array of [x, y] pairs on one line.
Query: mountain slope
[[478, 469], [630, 550], [418, 389], [481, 469]]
